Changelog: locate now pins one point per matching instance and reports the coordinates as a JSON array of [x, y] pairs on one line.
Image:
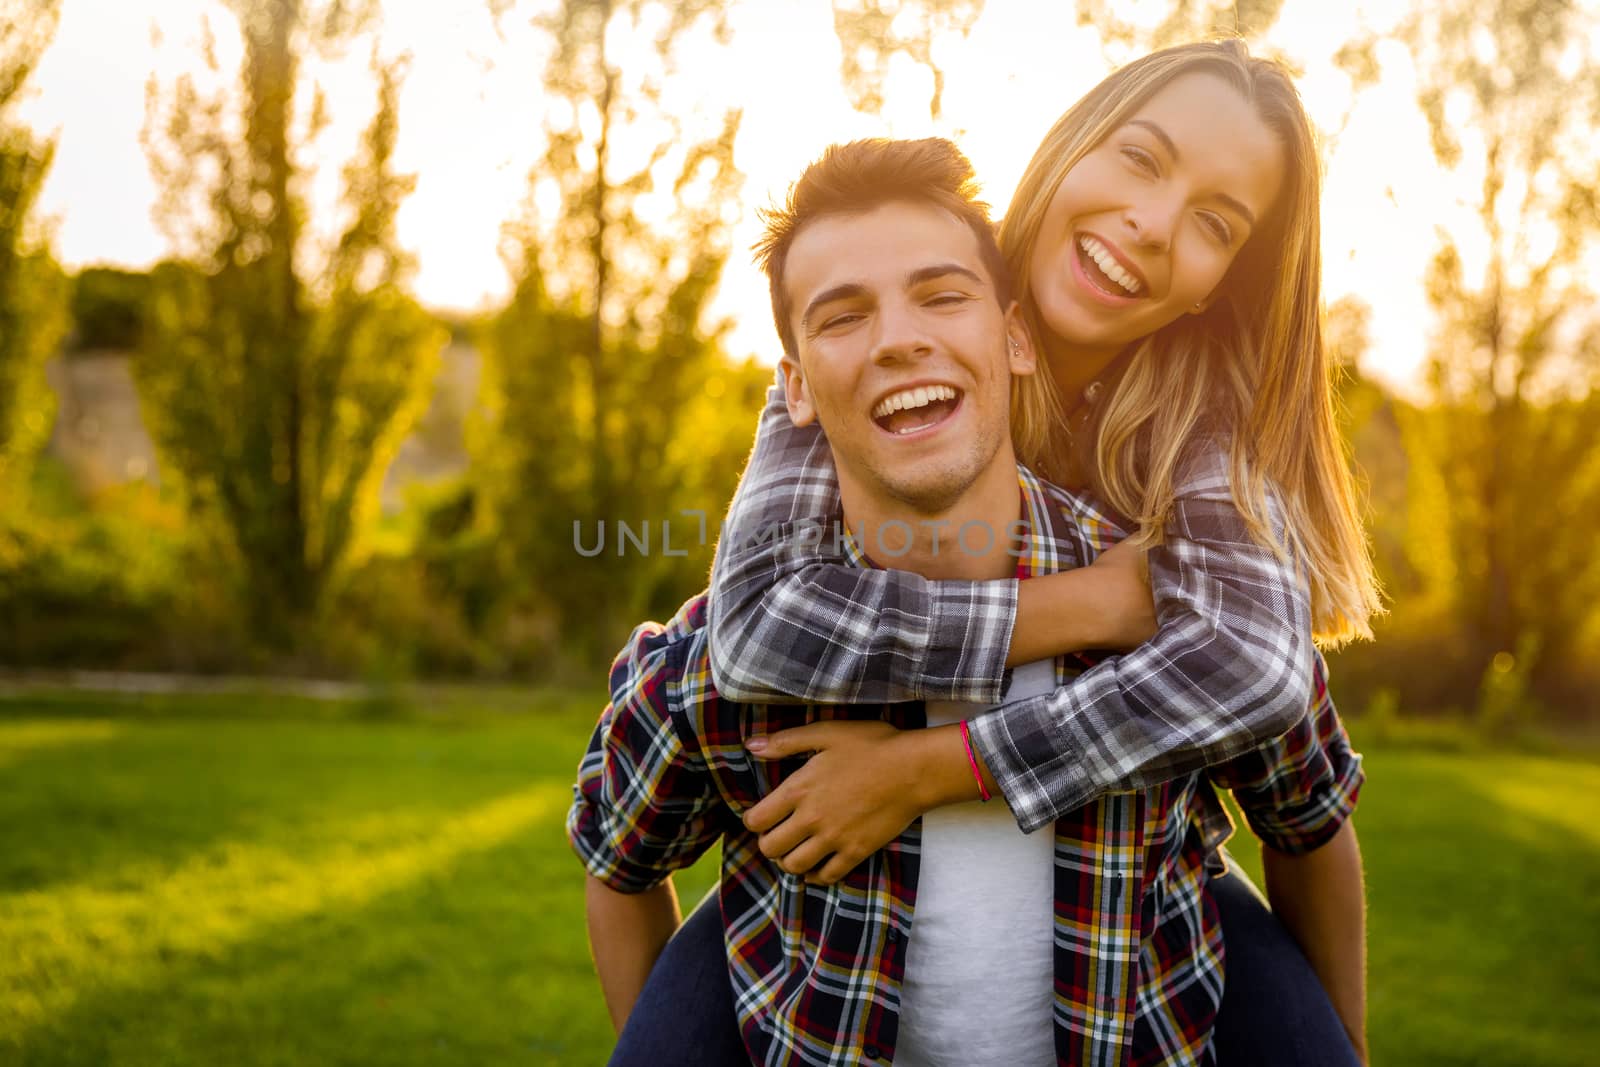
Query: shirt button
[[893, 935], [872, 1052]]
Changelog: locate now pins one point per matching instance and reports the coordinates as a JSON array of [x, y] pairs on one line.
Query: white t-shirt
[[979, 974]]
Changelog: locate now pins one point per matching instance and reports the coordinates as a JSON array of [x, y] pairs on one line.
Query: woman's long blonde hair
[[1252, 366]]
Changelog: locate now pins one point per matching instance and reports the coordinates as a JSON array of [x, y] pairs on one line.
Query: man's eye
[[945, 299], [1141, 159], [840, 320]]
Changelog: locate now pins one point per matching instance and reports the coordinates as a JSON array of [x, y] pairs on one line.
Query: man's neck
[[966, 541]]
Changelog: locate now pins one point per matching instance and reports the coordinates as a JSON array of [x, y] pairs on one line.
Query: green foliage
[[1503, 695], [108, 308], [1177, 22], [606, 395], [91, 583], [872, 32], [278, 396], [1512, 95], [32, 288]]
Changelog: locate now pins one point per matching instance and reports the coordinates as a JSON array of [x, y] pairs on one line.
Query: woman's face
[[1143, 228]]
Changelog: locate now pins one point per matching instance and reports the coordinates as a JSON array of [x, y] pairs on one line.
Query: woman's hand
[[859, 790], [1129, 618]]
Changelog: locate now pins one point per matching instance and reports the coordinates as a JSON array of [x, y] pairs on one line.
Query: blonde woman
[[1164, 243]]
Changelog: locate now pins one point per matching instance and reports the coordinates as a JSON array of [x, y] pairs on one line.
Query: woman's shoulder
[[1211, 478]]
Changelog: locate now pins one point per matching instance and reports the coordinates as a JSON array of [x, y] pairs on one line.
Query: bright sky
[[471, 112]]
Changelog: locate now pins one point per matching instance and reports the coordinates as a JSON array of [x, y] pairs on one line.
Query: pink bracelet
[[972, 761]]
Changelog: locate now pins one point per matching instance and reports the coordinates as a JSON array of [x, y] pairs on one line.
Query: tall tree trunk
[[598, 377]]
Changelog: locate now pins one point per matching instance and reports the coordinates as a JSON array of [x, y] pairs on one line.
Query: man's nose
[[902, 334]]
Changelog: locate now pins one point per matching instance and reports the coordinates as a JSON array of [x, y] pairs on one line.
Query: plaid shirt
[[817, 969], [1233, 665]]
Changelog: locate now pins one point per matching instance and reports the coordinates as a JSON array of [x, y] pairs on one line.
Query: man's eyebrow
[[941, 270], [827, 296], [1172, 150], [851, 290]]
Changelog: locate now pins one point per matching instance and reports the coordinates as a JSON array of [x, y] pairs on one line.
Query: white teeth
[[907, 399], [1108, 263]]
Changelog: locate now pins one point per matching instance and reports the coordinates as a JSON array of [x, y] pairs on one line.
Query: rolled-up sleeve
[[644, 804], [1297, 790], [791, 620], [1229, 669]]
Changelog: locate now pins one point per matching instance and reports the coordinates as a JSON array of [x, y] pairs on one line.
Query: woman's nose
[[1150, 224]]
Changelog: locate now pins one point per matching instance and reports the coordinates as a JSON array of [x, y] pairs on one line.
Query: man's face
[[905, 356]]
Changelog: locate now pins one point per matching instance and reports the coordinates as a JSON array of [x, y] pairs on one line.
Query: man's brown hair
[[854, 178]]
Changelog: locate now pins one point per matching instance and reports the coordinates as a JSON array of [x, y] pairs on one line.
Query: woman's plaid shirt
[[1232, 666], [817, 970]]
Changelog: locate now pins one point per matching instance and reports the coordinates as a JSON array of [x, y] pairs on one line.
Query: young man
[[962, 941]]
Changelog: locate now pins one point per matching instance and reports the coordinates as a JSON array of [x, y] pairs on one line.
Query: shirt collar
[[1038, 555]]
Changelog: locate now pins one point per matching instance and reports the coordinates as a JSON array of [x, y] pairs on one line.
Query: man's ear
[[1020, 354], [802, 412]]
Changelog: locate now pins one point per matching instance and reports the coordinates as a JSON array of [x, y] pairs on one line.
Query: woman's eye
[[1219, 227], [1141, 159]]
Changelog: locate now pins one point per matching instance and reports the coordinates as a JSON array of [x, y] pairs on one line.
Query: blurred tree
[[872, 32], [1123, 39], [607, 394], [108, 308], [32, 288], [1175, 23], [1511, 91], [278, 386]]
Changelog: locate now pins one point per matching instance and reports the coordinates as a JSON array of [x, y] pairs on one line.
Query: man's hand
[[857, 793], [1130, 607]]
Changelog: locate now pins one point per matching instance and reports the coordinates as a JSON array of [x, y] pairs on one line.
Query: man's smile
[[916, 409]]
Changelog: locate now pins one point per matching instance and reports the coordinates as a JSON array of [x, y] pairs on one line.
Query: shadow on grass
[[132, 794], [335, 905], [1483, 909], [1483, 873], [475, 960]]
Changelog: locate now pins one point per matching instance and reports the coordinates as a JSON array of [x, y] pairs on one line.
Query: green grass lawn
[[244, 881]]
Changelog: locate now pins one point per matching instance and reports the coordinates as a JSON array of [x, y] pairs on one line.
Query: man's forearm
[[626, 933], [1320, 898]]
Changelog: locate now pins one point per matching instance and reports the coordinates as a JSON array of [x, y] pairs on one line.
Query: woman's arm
[[790, 621], [1231, 666]]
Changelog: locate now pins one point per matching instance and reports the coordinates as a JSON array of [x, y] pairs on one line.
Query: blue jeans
[[1274, 1010]]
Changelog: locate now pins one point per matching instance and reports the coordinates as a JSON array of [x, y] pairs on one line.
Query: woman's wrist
[[940, 771]]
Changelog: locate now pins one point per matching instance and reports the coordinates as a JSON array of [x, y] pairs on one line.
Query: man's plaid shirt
[[816, 970]]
